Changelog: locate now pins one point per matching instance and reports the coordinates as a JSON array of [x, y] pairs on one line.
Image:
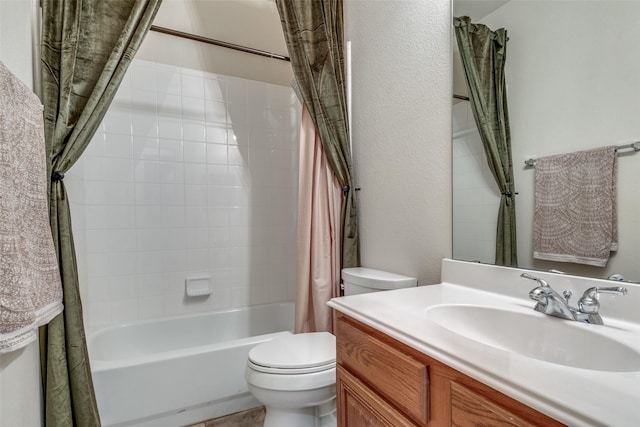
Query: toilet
[[294, 376]]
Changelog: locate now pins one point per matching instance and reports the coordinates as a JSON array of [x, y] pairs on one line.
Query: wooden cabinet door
[[393, 374], [358, 406]]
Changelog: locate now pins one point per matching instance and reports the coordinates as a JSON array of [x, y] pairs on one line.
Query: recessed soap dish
[[198, 286]]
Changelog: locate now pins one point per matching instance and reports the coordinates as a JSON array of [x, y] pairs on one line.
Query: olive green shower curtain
[[86, 48], [483, 54], [313, 30]]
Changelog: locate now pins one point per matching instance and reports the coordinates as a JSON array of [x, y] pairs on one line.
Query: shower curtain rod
[[220, 43], [634, 145], [464, 98]]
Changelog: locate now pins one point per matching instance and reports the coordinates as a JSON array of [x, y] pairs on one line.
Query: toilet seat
[[304, 353]]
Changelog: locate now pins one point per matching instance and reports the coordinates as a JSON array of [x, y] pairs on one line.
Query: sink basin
[[538, 336]]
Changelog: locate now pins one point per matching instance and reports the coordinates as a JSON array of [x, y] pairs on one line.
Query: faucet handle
[[541, 282], [617, 290], [589, 302]]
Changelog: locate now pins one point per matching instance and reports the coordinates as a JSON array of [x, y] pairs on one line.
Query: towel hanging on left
[[30, 286]]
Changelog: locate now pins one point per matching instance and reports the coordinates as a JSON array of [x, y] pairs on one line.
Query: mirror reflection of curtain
[[86, 48], [483, 54], [313, 30]]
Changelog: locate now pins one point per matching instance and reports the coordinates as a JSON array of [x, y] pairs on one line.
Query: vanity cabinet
[[382, 382]]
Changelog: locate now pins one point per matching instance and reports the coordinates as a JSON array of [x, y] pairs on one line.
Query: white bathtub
[[181, 370]]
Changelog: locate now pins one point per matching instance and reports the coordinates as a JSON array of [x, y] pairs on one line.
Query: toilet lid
[[299, 353]]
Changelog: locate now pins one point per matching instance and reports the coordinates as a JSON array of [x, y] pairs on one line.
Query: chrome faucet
[[551, 303]]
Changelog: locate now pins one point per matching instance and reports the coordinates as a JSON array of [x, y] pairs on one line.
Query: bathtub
[[180, 370]]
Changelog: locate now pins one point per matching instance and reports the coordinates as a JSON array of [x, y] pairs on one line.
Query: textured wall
[[401, 119]]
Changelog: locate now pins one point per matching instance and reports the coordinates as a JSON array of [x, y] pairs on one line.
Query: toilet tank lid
[[377, 279]]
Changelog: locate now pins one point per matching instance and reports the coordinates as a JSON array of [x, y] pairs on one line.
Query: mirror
[[572, 77]]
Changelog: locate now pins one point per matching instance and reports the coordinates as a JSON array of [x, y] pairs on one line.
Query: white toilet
[[294, 376]]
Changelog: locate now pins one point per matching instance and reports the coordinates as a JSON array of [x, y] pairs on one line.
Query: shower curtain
[[319, 199], [86, 48], [483, 53], [313, 30]]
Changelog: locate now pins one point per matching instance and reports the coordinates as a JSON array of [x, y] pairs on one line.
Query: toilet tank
[[361, 280]]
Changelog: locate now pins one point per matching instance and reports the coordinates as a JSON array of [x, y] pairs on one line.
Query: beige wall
[[19, 370], [401, 128], [251, 23]]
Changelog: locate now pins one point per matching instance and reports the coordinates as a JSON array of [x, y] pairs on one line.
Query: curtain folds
[[319, 200], [86, 48], [313, 30], [483, 54]]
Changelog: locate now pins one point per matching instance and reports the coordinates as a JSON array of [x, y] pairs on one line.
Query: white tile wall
[[476, 198], [190, 173]]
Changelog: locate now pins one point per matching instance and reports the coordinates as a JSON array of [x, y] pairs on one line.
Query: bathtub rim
[[106, 364]]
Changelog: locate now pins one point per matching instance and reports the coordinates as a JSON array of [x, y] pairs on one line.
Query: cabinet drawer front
[[395, 375]]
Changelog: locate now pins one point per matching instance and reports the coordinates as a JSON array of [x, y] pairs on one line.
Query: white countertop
[[576, 397]]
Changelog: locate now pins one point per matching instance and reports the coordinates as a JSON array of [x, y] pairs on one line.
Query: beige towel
[[575, 214], [30, 287]]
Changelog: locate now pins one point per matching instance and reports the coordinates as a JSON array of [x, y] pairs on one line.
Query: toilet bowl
[[294, 376]]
